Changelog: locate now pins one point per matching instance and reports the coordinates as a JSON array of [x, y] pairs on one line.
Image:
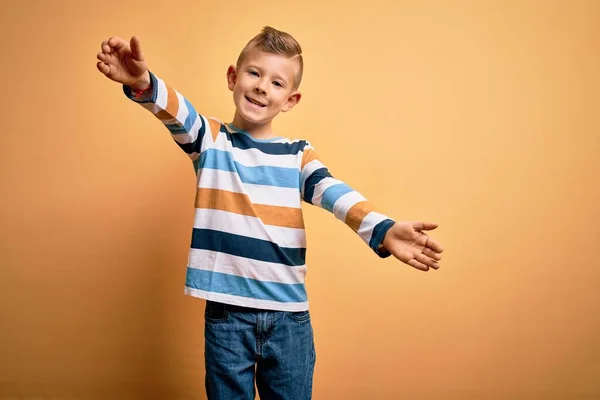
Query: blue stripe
[[239, 286], [332, 194], [192, 115], [217, 159], [260, 175], [245, 142], [243, 246], [309, 185]]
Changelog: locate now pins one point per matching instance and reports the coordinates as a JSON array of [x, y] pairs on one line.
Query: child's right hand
[[124, 62]]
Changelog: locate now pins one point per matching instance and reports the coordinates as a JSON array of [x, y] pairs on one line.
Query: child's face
[[264, 78]]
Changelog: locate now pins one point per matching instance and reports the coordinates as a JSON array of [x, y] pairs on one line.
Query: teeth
[[254, 102]]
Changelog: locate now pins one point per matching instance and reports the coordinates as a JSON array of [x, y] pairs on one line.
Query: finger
[[424, 226], [105, 47], [434, 245], [116, 42], [432, 254], [423, 259], [105, 69], [136, 49], [102, 56], [415, 264]]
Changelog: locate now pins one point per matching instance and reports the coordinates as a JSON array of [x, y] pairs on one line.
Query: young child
[[247, 255]]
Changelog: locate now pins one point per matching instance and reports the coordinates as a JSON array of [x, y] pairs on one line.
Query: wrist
[[143, 84], [387, 237]]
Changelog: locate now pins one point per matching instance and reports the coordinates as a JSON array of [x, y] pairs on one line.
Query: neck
[[257, 131]]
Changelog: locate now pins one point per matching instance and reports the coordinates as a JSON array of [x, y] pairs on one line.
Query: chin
[[251, 120], [254, 118]]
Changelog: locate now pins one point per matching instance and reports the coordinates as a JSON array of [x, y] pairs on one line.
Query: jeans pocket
[[299, 316], [215, 312]]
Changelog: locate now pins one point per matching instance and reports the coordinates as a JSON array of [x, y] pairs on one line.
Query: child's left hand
[[406, 241]]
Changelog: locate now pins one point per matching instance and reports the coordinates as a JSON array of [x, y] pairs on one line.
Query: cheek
[[282, 100], [239, 91], [238, 96], [244, 82]]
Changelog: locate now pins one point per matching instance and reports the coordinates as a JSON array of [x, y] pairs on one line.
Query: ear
[[292, 100], [231, 77]]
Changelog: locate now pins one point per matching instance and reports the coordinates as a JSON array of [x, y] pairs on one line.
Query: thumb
[[424, 226], [136, 49]]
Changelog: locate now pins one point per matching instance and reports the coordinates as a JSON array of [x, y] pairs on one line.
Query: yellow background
[[479, 115]]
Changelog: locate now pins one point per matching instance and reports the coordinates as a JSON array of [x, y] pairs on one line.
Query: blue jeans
[[275, 348]]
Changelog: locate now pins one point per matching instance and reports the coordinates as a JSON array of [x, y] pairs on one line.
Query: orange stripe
[[357, 213], [308, 156], [172, 105], [215, 127], [287, 217], [240, 203]]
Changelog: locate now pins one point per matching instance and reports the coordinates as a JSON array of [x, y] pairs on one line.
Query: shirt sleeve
[[192, 132], [320, 188]]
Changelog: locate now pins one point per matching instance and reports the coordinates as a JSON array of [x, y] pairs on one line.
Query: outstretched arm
[[405, 240], [124, 62]]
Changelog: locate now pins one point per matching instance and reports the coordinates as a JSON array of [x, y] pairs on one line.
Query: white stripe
[[365, 230], [161, 99], [258, 194], [161, 96], [344, 203], [309, 168], [287, 237], [263, 271], [245, 225], [273, 195], [196, 127], [321, 187], [287, 140], [191, 136], [254, 157], [221, 142], [183, 111], [218, 179], [246, 301]]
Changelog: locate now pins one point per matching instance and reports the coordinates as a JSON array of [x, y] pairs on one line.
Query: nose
[[260, 87]]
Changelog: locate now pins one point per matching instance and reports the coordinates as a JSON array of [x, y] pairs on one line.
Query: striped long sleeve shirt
[[248, 244]]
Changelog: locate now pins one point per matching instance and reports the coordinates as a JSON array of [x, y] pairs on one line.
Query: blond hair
[[272, 41]]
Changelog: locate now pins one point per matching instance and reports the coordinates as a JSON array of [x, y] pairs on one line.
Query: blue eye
[[253, 73], [278, 84]]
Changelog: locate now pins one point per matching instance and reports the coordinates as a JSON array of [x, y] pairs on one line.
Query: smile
[[255, 102]]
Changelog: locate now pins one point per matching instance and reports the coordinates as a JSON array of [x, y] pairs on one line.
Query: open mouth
[[255, 102]]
